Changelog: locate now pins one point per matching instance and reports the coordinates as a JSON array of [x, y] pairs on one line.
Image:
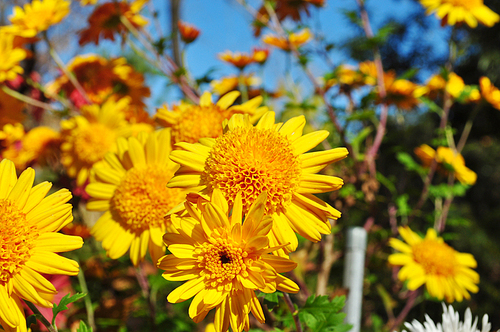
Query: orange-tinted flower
[[230, 83], [347, 77], [38, 16], [489, 92], [260, 55], [400, 92], [105, 21], [369, 70], [188, 32], [294, 39], [454, 86], [238, 59]]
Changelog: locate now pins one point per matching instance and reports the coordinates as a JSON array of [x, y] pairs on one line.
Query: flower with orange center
[[231, 83], [188, 32], [224, 261], [445, 272], [106, 20], [294, 39], [238, 59], [10, 58], [489, 92], [38, 16], [88, 137], [260, 55], [29, 243], [452, 12], [447, 160], [189, 122], [269, 157], [130, 185]]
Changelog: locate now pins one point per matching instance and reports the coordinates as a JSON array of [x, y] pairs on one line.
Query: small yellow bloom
[[489, 92], [231, 83], [29, 243], [10, 58], [188, 32], [400, 92], [248, 160], [130, 185], [446, 159], [295, 39], [238, 59], [38, 16], [224, 261], [189, 122], [452, 12], [445, 272]]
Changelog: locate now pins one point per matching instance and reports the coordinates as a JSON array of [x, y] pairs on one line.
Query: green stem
[[40, 317], [293, 311], [87, 299], [26, 99], [243, 87]]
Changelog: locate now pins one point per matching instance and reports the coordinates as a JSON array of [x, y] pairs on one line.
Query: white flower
[[451, 323]]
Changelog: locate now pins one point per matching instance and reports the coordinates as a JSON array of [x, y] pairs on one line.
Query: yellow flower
[[10, 57], [188, 32], [489, 92], [369, 69], [189, 122], [230, 83], [29, 242], [88, 137], [38, 16], [224, 262], [447, 159], [452, 12], [445, 272], [269, 157], [105, 20], [400, 92], [130, 185], [454, 86], [347, 77], [296, 39], [238, 59]]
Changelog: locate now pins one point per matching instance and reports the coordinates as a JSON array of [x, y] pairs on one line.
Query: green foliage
[[63, 304], [409, 163], [444, 191], [83, 327], [271, 300], [321, 315]]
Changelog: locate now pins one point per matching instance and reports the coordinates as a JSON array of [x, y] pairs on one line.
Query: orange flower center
[[93, 142], [221, 261], [197, 122], [142, 199], [17, 239], [435, 257], [253, 160]]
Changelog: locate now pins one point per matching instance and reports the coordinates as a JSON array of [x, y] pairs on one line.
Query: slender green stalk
[[87, 299], [26, 99], [293, 311], [243, 87], [40, 317]]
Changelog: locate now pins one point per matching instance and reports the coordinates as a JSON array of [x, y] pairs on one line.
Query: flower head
[[238, 59], [189, 122], [260, 55], [38, 16], [248, 160], [130, 185], [188, 32], [445, 272], [231, 83], [105, 21], [294, 39], [489, 92], [452, 12], [10, 58], [400, 92], [447, 160], [88, 137], [224, 261], [29, 242]]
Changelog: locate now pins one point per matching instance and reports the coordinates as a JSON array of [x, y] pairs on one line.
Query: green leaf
[[402, 203], [445, 191], [387, 183], [410, 164], [271, 300], [322, 315], [64, 302], [83, 327]]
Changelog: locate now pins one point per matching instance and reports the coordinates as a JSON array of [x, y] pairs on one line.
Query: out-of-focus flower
[[400, 92], [29, 242], [38, 16], [260, 55], [238, 59], [454, 85], [295, 39], [224, 261], [11, 133], [230, 83], [102, 79], [87, 2], [11, 109], [369, 70], [88, 137], [36, 145], [445, 272], [130, 185], [348, 77], [450, 323], [105, 20], [447, 160], [10, 57], [248, 160], [76, 229], [452, 12], [188, 32], [190, 122], [489, 92]]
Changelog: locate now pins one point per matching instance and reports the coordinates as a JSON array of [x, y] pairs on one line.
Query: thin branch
[[40, 317], [329, 257], [406, 310], [87, 299], [468, 127], [26, 99], [293, 311]]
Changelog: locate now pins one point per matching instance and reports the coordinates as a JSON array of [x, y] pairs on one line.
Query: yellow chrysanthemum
[[296, 39], [131, 186], [445, 272], [189, 122], [447, 160], [269, 157], [223, 261], [10, 57], [88, 137], [29, 242], [489, 92], [38, 16], [230, 83], [452, 12]]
